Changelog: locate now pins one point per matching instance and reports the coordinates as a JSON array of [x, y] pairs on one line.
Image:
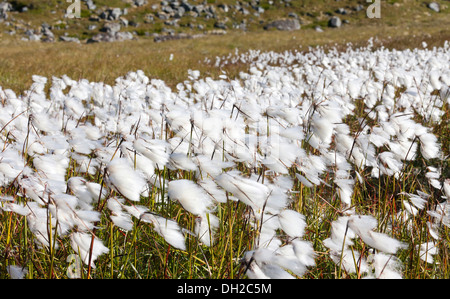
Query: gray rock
[[111, 27], [174, 4], [335, 22], [149, 18], [111, 14], [69, 39], [224, 7], [90, 4], [162, 15], [5, 7], [341, 11], [45, 26], [168, 31], [124, 22], [284, 24], [244, 11], [121, 36], [434, 6], [101, 37], [32, 36], [115, 14], [110, 37], [48, 35], [187, 7], [140, 2], [198, 8], [220, 25], [179, 12], [359, 7], [164, 38], [167, 9], [171, 22]]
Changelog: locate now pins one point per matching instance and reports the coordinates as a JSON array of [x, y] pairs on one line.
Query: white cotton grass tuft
[[119, 216], [384, 266], [447, 188], [191, 196], [292, 223], [441, 213], [304, 252], [322, 128], [16, 272], [363, 226], [181, 161], [87, 192], [52, 167], [81, 244], [216, 193], [166, 228], [433, 175], [38, 223], [341, 235], [125, 180], [154, 149], [205, 228], [266, 263], [141, 162], [415, 202], [250, 192], [429, 146]]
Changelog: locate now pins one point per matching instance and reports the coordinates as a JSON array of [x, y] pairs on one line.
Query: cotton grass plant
[[325, 164]]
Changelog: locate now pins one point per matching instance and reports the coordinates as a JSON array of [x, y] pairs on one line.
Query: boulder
[[335, 22], [284, 24], [110, 37]]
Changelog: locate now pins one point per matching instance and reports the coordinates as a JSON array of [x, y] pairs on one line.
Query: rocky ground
[[107, 21]]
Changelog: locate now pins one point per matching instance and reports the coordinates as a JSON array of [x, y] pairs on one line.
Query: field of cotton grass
[[316, 164]]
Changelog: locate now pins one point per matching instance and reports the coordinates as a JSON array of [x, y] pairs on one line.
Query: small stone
[[220, 25], [434, 6], [111, 27], [69, 39]]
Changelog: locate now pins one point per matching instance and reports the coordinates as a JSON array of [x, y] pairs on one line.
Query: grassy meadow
[[141, 253]]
